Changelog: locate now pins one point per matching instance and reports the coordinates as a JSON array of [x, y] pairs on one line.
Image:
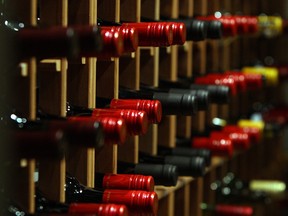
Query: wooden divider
[[184, 67], [129, 66], [149, 74], [107, 85]]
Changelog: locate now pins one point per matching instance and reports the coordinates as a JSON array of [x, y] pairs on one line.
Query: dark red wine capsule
[[98, 209], [217, 79], [128, 182], [129, 35], [179, 33], [113, 45], [153, 33], [136, 121], [220, 146], [144, 201], [115, 129], [233, 210], [240, 140], [153, 108]]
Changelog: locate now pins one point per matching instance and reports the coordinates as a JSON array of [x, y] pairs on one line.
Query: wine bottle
[[129, 35], [135, 200], [199, 30], [255, 190], [187, 166], [266, 129], [227, 209], [124, 181], [149, 33], [12, 209], [235, 25], [42, 42], [202, 96], [39, 144], [86, 133], [214, 29], [114, 129], [240, 140], [268, 186], [218, 79], [270, 73], [136, 121], [277, 115], [252, 132], [270, 26], [219, 146], [229, 26], [89, 39], [163, 174], [179, 30], [217, 93], [188, 152], [113, 45], [172, 103], [153, 108], [196, 30], [49, 207]]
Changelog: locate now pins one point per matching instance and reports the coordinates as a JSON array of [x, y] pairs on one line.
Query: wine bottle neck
[[76, 192], [146, 158], [44, 205], [77, 110]]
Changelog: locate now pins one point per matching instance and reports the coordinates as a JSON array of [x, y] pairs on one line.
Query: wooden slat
[[130, 67], [149, 73], [107, 75]]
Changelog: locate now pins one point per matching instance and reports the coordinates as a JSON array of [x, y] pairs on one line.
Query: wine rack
[[79, 81]]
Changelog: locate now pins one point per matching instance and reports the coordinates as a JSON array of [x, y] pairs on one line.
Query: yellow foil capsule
[[270, 73]]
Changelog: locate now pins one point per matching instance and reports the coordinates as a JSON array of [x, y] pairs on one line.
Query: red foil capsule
[[98, 209], [129, 35], [128, 182], [229, 26], [153, 33], [179, 33], [113, 45], [153, 108], [253, 133], [218, 79], [240, 140], [240, 80], [278, 115], [143, 201], [115, 129], [253, 81], [233, 210], [242, 24], [252, 22], [220, 146], [136, 121]]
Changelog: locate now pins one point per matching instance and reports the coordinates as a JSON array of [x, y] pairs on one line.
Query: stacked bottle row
[[110, 39], [132, 112]]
